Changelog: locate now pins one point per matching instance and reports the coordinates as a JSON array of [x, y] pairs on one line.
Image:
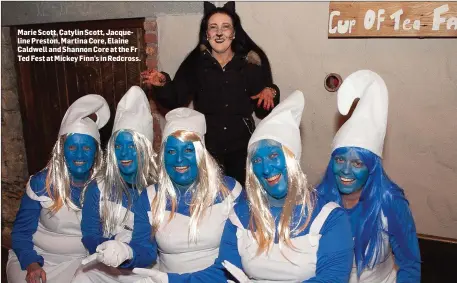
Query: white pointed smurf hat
[[367, 126], [76, 119], [184, 119], [283, 124], [134, 113]]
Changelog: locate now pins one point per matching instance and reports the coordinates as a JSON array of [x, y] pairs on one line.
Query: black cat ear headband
[[208, 7]]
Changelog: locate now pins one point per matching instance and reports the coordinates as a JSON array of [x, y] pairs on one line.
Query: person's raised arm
[[265, 95], [174, 93]]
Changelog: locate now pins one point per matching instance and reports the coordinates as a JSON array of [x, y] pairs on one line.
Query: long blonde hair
[[58, 181], [114, 184], [206, 188], [261, 222]]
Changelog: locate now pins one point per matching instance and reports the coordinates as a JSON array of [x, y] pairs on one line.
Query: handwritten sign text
[[392, 19]]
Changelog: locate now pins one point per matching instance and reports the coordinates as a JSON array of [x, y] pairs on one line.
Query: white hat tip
[[367, 126], [100, 108], [344, 105], [135, 87], [355, 86], [283, 123], [103, 114], [134, 93], [76, 117], [298, 97], [135, 90], [133, 112], [295, 103], [346, 96]]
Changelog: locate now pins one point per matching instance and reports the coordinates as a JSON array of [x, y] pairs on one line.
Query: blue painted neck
[[129, 178], [181, 188], [276, 202], [79, 179]]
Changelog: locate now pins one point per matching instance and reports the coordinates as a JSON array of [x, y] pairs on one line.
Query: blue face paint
[[180, 162], [125, 150], [350, 172], [269, 166], [79, 152]]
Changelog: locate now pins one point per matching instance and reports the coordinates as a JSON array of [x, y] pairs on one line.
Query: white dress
[[176, 253], [288, 265], [100, 273], [57, 239]]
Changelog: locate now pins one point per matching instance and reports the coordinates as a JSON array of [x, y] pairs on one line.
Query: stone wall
[[34, 12], [150, 39], [14, 161]]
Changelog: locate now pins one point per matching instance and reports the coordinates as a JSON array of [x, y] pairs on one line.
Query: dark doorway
[[47, 89]]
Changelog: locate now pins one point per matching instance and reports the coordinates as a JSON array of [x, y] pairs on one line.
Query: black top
[[223, 95]]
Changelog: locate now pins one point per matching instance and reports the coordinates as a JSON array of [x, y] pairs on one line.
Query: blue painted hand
[[79, 152], [350, 172], [180, 162], [126, 156]]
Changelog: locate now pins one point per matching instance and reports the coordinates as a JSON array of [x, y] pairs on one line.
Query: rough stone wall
[[14, 161]]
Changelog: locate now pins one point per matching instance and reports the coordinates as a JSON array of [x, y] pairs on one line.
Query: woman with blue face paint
[[130, 167], [46, 234], [279, 231], [186, 211], [382, 224]]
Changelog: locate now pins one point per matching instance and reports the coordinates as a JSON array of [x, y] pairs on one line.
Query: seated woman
[[130, 168], [381, 220], [281, 232], [185, 213], [46, 234]]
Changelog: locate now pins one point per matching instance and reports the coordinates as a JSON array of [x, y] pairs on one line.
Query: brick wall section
[[14, 162], [150, 39]]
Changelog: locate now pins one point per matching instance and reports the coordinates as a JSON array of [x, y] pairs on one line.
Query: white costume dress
[[57, 238], [176, 253], [95, 271], [324, 250]]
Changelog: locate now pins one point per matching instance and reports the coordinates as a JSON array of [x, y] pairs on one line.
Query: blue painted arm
[[216, 273], [144, 246], [336, 250], [91, 225], [407, 257], [24, 227]]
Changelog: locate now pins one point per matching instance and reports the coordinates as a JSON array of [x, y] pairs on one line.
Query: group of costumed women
[[129, 214]]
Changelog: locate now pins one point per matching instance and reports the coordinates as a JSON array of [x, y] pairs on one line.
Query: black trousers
[[233, 163]]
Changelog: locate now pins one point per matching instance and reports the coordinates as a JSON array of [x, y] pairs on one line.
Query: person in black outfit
[[228, 77]]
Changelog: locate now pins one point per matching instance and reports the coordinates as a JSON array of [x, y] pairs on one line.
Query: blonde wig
[[115, 186], [261, 222], [206, 188], [58, 182]]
